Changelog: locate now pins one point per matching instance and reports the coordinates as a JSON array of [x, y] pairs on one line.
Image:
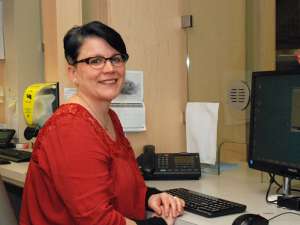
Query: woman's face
[[99, 84]]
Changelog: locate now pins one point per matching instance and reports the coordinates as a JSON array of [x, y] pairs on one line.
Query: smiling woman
[[83, 145], [97, 81]]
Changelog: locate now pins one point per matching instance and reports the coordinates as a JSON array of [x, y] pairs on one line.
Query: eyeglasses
[[98, 62]]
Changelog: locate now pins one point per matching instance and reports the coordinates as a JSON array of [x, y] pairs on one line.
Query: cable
[[275, 181], [278, 189], [271, 181], [272, 176], [298, 214]]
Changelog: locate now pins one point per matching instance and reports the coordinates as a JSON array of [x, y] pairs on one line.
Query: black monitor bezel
[[282, 170]]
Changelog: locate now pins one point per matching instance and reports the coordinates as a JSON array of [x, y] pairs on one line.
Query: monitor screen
[[274, 139]]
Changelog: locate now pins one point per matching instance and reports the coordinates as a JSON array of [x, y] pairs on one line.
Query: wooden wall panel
[[216, 47], [2, 64], [156, 44], [95, 10], [58, 17], [69, 14], [228, 41], [50, 39], [261, 36]]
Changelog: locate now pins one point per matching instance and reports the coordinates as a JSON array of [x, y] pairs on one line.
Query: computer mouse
[[250, 219], [4, 161]]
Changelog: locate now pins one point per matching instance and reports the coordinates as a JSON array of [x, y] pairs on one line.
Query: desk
[[14, 173], [241, 185]]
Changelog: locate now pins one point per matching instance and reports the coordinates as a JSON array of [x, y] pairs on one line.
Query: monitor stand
[[286, 187], [287, 200]]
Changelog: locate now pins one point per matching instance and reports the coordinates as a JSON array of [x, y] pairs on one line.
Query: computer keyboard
[[205, 205], [15, 155]]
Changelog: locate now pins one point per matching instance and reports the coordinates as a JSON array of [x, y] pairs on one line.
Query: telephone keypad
[[163, 162]]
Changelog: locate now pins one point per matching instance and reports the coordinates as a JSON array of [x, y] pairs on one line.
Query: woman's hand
[[170, 220], [166, 205]]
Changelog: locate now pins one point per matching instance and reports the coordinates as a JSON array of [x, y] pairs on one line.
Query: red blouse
[[79, 175]]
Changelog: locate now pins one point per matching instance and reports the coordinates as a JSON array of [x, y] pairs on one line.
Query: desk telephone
[[169, 166]]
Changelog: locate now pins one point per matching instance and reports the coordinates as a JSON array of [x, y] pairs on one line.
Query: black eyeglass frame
[[124, 57]]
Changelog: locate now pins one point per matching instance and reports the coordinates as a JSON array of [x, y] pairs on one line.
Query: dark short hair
[[75, 37]]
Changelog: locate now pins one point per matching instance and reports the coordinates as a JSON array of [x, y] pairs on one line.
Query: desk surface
[[14, 173], [241, 185]]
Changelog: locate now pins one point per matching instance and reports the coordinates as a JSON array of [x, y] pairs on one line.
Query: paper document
[[201, 130], [129, 105], [131, 115]]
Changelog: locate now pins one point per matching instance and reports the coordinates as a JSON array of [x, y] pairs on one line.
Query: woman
[[83, 169]]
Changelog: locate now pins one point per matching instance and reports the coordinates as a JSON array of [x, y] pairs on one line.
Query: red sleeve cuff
[[150, 191]]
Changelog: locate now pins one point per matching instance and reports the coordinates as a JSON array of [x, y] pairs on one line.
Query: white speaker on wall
[[238, 95]]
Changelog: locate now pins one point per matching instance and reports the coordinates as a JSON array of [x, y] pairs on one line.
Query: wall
[[2, 64], [261, 36], [95, 10], [48, 9], [23, 56], [58, 17], [228, 41], [216, 47], [156, 45]]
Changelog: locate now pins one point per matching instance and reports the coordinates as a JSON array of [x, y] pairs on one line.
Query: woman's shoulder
[[68, 115], [70, 109], [69, 120]]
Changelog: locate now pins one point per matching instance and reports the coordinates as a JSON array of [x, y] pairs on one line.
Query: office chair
[[7, 215]]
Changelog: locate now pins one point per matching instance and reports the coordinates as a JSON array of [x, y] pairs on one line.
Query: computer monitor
[[274, 139]]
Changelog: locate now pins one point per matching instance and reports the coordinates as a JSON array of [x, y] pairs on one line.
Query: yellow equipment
[[40, 100]]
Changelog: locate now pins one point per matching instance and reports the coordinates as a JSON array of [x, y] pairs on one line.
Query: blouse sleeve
[[80, 171], [150, 191]]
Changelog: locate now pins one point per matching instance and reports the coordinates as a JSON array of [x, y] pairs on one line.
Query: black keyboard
[[205, 205], [15, 155]]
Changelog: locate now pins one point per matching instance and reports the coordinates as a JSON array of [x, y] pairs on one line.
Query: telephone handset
[[169, 166], [148, 159]]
